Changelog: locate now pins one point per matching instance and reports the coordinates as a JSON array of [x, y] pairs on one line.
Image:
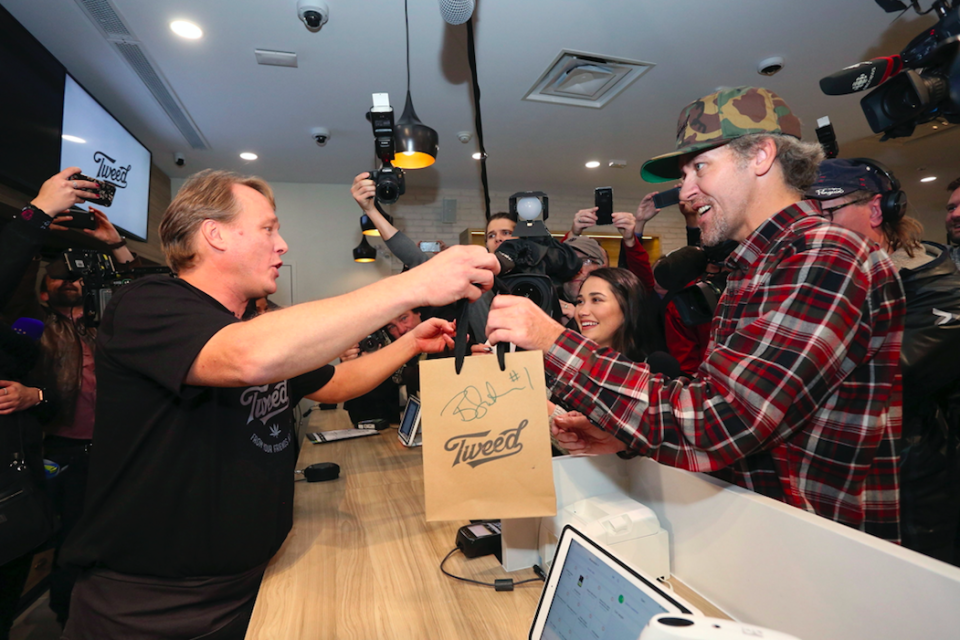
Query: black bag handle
[[460, 341]]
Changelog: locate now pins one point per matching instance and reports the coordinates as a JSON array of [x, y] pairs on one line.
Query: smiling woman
[[614, 310]]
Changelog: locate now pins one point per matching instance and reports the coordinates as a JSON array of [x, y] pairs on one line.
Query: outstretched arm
[[358, 376]]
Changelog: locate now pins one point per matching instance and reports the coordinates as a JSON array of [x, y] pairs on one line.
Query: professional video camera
[[534, 263], [389, 179], [918, 85], [100, 279]]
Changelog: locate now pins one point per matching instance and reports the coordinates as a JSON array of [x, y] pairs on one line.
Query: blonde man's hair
[[905, 233], [207, 195]]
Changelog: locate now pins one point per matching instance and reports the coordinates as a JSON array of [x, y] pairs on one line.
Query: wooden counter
[[362, 562]]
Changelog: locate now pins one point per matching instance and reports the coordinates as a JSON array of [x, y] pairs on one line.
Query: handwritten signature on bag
[[479, 448]]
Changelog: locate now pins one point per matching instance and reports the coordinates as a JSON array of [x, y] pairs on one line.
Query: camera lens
[[529, 290], [388, 191]]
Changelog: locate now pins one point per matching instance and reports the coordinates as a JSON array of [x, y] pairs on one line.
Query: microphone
[[30, 327], [456, 11], [861, 76]]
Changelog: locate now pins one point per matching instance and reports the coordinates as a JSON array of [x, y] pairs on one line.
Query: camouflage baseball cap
[[719, 118]]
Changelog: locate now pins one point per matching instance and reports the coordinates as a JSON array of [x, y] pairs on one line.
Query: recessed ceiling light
[[186, 29], [928, 179], [593, 164], [70, 138], [246, 155]]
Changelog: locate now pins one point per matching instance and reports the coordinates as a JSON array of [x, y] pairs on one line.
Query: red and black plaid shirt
[[799, 395]]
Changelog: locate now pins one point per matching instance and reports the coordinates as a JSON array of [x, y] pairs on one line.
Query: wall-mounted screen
[[94, 141]]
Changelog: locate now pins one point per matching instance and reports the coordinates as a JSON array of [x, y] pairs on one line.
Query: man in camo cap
[[798, 397]]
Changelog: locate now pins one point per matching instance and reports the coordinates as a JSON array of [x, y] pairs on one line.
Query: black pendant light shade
[[370, 229], [364, 252], [417, 144]]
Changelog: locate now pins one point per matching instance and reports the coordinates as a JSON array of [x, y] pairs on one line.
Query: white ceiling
[[696, 45]]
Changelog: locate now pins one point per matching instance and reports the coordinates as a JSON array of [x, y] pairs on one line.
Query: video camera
[[529, 260], [100, 279], [918, 85], [389, 179]]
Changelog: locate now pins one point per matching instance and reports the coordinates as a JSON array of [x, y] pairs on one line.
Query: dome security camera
[[320, 135], [313, 13], [770, 66]]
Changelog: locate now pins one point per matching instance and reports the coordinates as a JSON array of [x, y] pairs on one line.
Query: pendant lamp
[[417, 144], [364, 252], [370, 229]]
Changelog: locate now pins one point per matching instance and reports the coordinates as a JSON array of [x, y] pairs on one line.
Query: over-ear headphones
[[893, 202]]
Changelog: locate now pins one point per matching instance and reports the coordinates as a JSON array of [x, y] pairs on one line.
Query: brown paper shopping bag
[[486, 438]]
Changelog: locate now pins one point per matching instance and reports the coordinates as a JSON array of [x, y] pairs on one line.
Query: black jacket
[[930, 364]]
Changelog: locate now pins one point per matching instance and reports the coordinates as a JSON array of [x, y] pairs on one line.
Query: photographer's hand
[[59, 193], [646, 212], [626, 223], [520, 321], [351, 354], [364, 191], [17, 397], [105, 232], [583, 220]]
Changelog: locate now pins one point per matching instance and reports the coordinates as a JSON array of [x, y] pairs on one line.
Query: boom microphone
[[456, 11], [861, 76]]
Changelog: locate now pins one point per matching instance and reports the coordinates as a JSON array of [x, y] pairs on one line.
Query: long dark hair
[[639, 335]]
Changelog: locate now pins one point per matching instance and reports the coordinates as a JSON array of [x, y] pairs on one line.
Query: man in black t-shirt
[[191, 480]]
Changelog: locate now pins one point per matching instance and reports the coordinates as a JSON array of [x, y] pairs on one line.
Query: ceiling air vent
[[585, 79], [103, 14], [275, 58]]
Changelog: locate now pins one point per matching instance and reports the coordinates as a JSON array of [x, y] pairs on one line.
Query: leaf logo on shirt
[[275, 431]]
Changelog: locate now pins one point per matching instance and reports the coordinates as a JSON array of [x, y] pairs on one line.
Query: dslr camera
[[390, 183], [375, 341], [389, 179]]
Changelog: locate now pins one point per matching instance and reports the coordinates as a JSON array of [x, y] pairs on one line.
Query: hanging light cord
[[472, 56], [406, 19]]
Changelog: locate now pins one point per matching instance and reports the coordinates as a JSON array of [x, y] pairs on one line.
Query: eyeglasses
[[587, 261], [829, 212]]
